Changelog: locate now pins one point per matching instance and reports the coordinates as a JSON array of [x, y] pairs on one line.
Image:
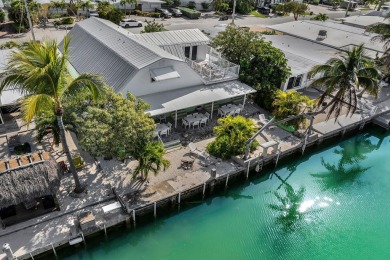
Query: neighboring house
[[262, 3], [302, 55], [332, 34], [149, 5], [362, 21], [197, 2], [174, 71]]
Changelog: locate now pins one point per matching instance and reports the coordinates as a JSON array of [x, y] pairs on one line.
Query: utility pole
[[29, 20], [234, 11]]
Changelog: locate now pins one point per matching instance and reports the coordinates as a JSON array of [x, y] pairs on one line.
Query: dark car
[[264, 10], [175, 12], [164, 12]]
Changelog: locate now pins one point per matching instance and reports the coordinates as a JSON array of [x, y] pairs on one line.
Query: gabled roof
[[103, 48]]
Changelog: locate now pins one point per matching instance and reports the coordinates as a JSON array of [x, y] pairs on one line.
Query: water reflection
[[289, 207], [348, 168]]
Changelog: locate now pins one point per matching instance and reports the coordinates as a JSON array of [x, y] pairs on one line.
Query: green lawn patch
[[257, 14], [365, 9], [287, 128]]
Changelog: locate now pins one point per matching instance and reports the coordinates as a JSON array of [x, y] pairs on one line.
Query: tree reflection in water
[[348, 168], [289, 213]]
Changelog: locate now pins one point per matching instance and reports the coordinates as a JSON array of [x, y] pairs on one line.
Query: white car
[[130, 23]]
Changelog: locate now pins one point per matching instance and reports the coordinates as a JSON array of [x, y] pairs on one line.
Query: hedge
[[192, 14], [147, 14]]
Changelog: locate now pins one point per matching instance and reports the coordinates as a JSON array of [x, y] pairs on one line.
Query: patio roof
[[169, 101]]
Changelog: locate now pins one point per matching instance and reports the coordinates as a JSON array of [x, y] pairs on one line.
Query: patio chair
[[262, 119], [196, 123], [221, 113], [203, 121], [78, 162], [169, 127], [195, 114], [197, 151], [185, 123], [237, 112], [207, 114], [164, 132], [162, 118]]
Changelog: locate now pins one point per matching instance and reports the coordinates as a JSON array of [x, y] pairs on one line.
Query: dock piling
[[31, 256], [204, 189], [54, 250], [155, 209], [105, 230], [178, 200], [226, 183], [134, 216], [247, 170]]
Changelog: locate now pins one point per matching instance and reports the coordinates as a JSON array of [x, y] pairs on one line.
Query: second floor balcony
[[214, 68]]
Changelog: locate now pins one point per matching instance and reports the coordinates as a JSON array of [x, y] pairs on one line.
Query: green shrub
[[176, 2], [244, 7], [152, 26], [315, 2], [67, 20], [232, 134], [205, 5], [191, 5], [2, 16], [190, 13], [320, 17]]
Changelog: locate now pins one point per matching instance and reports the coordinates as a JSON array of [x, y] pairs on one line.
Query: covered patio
[[177, 104]]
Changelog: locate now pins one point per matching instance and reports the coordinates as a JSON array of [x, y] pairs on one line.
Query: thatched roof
[[27, 178]]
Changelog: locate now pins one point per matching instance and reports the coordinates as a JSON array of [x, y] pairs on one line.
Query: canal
[[333, 203]]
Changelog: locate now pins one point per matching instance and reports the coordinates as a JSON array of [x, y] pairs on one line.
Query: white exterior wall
[[142, 84], [202, 51], [150, 7]]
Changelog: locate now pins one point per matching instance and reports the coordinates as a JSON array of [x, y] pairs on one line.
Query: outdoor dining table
[[228, 108], [191, 119]]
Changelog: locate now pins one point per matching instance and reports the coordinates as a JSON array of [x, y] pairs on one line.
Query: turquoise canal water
[[342, 213]]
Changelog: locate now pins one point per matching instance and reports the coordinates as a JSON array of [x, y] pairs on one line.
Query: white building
[[174, 71], [331, 34], [301, 55]]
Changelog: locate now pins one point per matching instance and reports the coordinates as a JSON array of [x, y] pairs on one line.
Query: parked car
[[130, 23], [92, 13], [175, 12], [264, 10], [164, 12]]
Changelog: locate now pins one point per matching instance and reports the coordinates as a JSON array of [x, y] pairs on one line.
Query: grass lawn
[[257, 14], [365, 9]]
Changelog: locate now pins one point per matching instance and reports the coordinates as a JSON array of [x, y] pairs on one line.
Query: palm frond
[[34, 105]]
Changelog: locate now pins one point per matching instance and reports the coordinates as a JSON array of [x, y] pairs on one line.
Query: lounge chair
[[263, 120], [198, 152], [78, 162], [196, 123]]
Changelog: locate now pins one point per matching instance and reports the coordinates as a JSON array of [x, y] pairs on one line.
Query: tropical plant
[[205, 5], [383, 31], [231, 136], [245, 6], [176, 2], [320, 17], [17, 12], [40, 72], [153, 26], [289, 208], [220, 5], [58, 5], [150, 157], [112, 125], [109, 12], [125, 2], [335, 4], [191, 5], [2, 16], [342, 77], [291, 103], [296, 8]]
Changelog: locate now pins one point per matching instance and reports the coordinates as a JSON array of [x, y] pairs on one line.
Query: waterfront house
[[332, 34], [176, 72], [28, 185], [301, 55]]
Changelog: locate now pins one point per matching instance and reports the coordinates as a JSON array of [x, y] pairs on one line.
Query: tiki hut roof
[[27, 178]]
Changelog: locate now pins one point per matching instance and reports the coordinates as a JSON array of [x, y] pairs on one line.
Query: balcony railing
[[215, 68]]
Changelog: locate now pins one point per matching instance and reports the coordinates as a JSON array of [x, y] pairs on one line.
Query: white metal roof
[[301, 54], [169, 101], [182, 37], [339, 36]]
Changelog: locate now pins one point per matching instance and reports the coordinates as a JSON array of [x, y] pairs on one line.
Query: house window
[[187, 51], [290, 84], [298, 81], [194, 52]]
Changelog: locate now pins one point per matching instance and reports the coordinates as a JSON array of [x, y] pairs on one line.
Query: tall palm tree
[[342, 77], [39, 71], [383, 31], [150, 158]]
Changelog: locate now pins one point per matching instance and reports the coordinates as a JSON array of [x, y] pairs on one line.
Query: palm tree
[[343, 77], [383, 31], [125, 2], [39, 71], [150, 158]]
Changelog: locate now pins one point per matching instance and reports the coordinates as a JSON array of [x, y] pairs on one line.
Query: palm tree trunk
[[78, 187]]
